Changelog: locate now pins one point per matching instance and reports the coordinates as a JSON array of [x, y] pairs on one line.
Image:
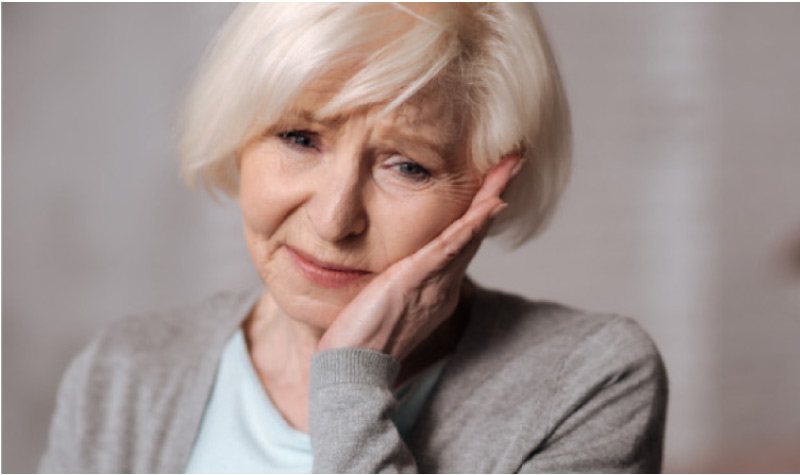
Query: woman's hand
[[405, 303]]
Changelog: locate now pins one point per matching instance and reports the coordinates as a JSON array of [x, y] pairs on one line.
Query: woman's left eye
[[300, 138], [413, 171]]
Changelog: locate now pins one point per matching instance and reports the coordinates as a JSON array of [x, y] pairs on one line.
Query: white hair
[[494, 59]]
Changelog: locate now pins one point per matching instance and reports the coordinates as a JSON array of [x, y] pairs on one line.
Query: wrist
[[352, 366]]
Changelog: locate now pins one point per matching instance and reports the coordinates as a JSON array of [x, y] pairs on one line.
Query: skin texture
[[392, 196]]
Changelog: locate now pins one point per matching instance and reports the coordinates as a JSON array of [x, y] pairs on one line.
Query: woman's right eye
[[300, 138]]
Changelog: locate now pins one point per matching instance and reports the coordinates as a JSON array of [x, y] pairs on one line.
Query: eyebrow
[[303, 115], [415, 144]]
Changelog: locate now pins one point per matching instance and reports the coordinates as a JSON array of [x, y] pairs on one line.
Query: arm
[[613, 419], [350, 414], [350, 400]]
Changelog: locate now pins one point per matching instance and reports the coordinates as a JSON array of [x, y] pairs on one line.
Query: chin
[[315, 314], [299, 298], [306, 303]]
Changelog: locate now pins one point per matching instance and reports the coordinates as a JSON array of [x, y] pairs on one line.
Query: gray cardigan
[[532, 387]]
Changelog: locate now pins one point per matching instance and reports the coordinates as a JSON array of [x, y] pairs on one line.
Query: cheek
[[405, 226], [266, 201], [269, 192], [256, 190]]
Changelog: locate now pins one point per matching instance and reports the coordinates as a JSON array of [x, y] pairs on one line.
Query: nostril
[[338, 218]]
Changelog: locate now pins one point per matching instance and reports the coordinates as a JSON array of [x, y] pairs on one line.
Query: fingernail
[[498, 209], [517, 167]]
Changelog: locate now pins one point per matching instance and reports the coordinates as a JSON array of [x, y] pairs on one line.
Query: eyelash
[[307, 140], [293, 138], [419, 174]]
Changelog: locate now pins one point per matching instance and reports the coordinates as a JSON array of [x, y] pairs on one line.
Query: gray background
[[683, 210]]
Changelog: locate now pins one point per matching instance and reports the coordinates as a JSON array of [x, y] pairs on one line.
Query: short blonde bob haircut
[[494, 60]]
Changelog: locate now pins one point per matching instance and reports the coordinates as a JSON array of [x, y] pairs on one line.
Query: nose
[[337, 209]]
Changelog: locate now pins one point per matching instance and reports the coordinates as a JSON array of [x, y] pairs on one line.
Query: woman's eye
[[413, 170], [300, 138]]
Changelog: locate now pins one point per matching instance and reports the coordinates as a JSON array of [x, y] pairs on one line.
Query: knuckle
[[451, 250]]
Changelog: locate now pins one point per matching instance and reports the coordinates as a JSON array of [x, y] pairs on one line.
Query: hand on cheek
[[405, 303]]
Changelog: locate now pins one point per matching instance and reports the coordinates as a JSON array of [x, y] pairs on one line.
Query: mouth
[[322, 273]]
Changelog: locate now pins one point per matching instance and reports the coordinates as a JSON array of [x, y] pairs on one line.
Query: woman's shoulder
[[151, 348], [137, 370], [533, 327], [175, 330], [562, 354], [574, 391]]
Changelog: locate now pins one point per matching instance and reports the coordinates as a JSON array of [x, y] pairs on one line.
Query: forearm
[[350, 414]]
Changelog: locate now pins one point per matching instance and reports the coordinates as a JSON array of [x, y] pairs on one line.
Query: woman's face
[[329, 204]]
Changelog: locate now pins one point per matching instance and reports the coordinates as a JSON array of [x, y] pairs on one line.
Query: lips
[[322, 273]]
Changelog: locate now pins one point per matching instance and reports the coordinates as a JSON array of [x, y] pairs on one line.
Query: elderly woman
[[372, 148]]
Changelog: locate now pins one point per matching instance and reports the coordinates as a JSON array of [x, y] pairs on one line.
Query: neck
[[280, 347]]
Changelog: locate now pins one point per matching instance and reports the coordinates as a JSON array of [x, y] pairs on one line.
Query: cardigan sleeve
[[613, 420], [350, 414]]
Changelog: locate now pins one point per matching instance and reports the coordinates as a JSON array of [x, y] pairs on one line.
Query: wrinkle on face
[[294, 198]]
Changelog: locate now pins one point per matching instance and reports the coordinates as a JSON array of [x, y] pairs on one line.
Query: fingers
[[459, 242], [456, 245], [464, 229], [498, 178], [475, 222], [486, 205], [460, 260]]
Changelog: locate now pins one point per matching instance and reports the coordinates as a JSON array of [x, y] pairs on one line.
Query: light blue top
[[242, 432]]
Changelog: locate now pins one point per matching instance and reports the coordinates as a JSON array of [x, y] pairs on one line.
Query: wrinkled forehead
[[395, 75], [431, 112]]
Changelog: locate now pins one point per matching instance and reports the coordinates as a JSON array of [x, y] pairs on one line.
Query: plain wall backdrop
[[683, 210]]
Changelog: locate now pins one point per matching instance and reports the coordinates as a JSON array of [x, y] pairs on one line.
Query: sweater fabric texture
[[531, 387]]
